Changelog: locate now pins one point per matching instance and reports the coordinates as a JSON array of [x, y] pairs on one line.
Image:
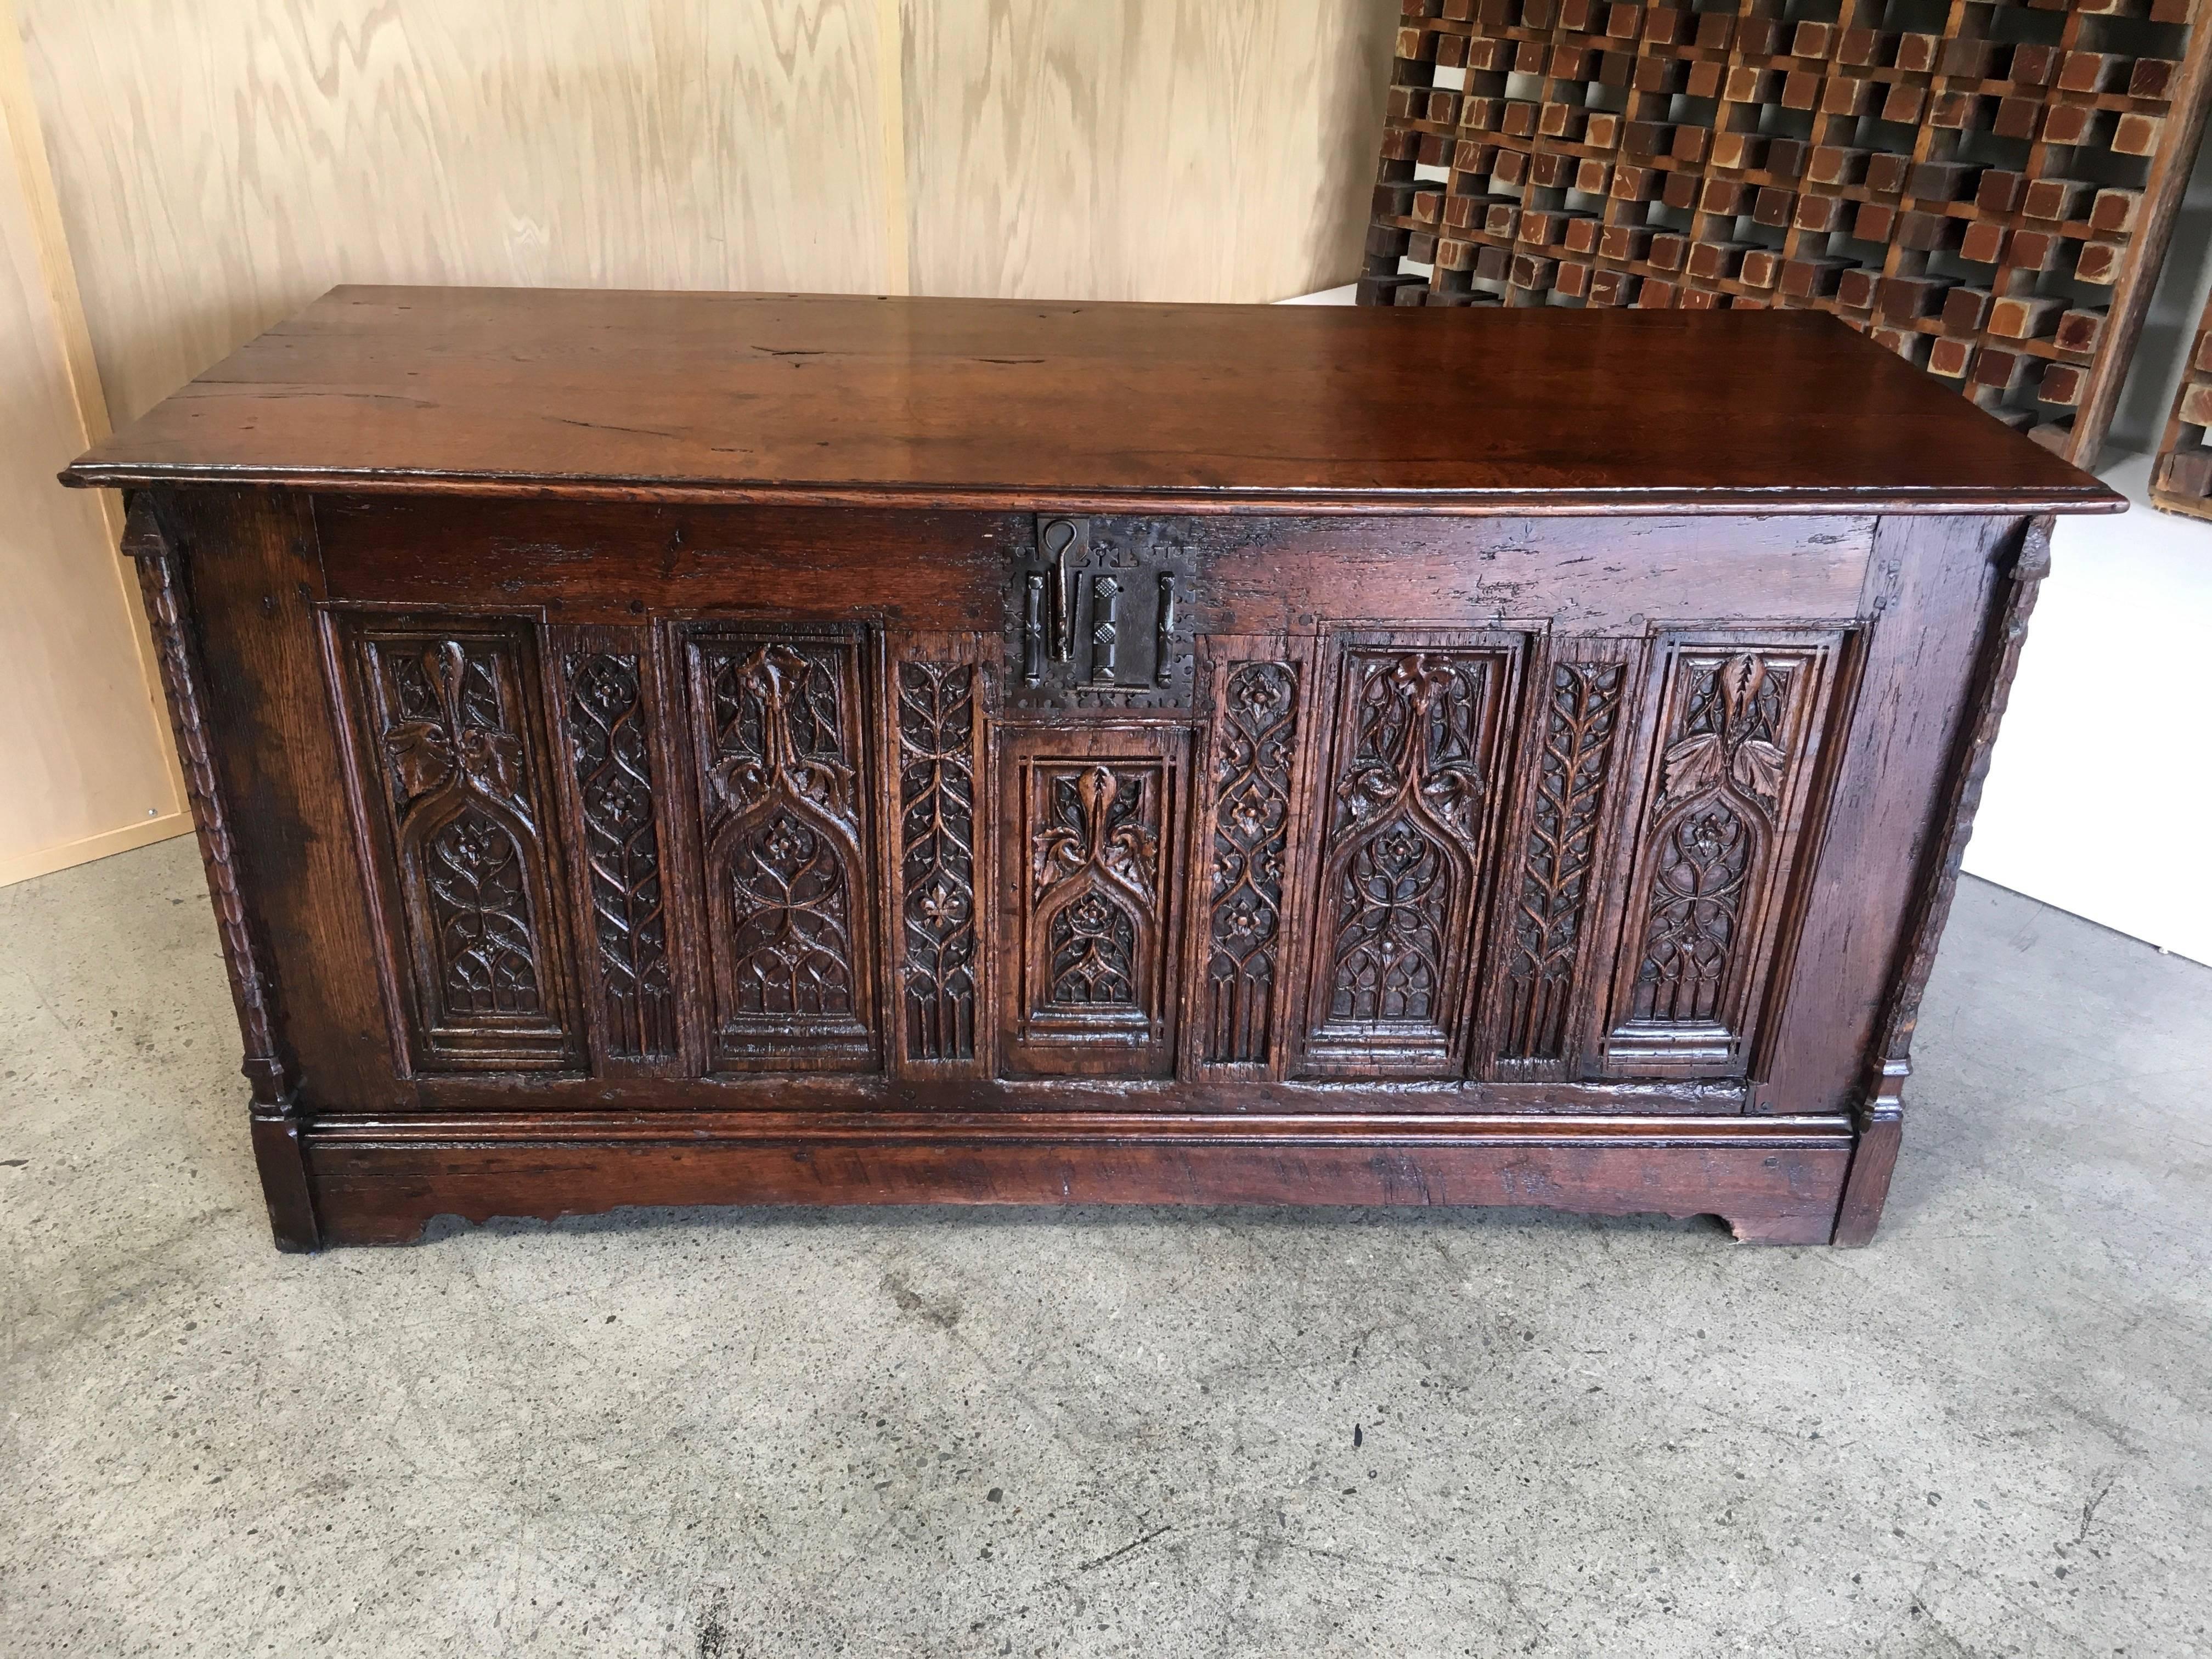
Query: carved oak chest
[[661, 748]]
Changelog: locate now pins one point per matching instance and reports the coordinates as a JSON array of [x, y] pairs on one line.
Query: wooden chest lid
[[1070, 406]]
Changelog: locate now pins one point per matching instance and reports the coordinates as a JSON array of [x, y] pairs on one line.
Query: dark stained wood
[[945, 571], [576, 844], [254, 584], [1881, 1103], [1772, 1183], [1930, 582], [1029, 405]]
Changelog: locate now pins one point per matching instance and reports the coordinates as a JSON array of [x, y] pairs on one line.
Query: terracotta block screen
[[2182, 480], [1986, 188]]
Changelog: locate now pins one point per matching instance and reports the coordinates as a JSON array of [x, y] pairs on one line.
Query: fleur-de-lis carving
[[941, 905], [936, 721]]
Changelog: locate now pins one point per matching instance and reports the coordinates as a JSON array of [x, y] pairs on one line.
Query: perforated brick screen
[[1984, 187]]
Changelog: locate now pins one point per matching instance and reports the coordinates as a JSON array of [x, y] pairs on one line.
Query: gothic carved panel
[[938, 721], [609, 750], [1254, 743], [1095, 821], [1412, 786], [1739, 723], [1548, 901], [459, 804], [778, 723]]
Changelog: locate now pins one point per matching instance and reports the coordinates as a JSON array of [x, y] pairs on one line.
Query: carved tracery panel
[[1254, 743], [778, 728], [1739, 726], [1410, 784], [1091, 989], [608, 729], [1545, 908], [459, 806], [938, 718]]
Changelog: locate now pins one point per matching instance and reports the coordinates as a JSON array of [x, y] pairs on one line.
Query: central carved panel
[[1091, 985], [778, 729]]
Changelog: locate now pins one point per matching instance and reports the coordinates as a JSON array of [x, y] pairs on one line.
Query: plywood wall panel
[[84, 765], [221, 162], [1140, 150]]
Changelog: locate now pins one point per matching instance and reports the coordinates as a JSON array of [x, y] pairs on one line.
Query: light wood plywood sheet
[[1133, 149], [84, 766]]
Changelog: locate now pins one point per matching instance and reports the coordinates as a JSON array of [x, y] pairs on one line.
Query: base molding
[[1773, 1180]]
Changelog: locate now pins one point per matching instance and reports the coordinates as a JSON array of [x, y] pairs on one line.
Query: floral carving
[[480, 902], [1390, 944], [784, 853], [936, 859], [622, 847], [1093, 944], [1099, 822], [778, 712], [1696, 897], [1720, 789], [1095, 886], [1730, 728], [1254, 743], [791, 941], [1401, 870], [1418, 731], [469, 848], [1583, 715], [452, 725], [455, 767]]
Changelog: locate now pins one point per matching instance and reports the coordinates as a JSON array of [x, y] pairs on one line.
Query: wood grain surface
[[85, 758], [985, 402], [1118, 149]]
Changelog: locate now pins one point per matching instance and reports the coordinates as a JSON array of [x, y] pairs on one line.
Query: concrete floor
[[761, 1434]]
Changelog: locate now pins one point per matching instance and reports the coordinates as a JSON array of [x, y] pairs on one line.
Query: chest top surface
[[986, 403]]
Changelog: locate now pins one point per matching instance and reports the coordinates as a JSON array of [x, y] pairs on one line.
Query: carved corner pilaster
[[1881, 1113], [161, 577]]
